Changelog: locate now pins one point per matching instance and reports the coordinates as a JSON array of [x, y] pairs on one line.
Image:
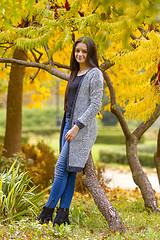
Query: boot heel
[[46, 215], [61, 216]]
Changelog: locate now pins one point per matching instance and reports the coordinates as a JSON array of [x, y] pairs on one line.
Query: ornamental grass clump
[[18, 197]]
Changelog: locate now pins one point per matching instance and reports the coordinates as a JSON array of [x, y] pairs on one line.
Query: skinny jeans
[[64, 181]]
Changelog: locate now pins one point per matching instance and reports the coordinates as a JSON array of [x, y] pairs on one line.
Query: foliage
[[41, 163], [44, 118], [88, 223], [17, 197], [111, 156], [134, 87], [111, 135], [126, 32], [37, 121], [6, 163], [110, 138]]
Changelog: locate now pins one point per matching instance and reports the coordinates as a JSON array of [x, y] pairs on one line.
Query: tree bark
[[105, 207], [157, 156], [50, 69], [12, 141], [139, 177]]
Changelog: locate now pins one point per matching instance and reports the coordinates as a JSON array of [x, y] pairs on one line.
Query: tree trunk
[[105, 207], [132, 140], [157, 157], [12, 141], [139, 177]]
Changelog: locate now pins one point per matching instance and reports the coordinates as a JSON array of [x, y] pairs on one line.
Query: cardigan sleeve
[[95, 95]]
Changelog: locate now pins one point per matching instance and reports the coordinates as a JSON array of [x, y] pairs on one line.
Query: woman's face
[[81, 53]]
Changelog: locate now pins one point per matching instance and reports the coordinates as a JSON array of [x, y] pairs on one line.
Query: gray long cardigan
[[85, 108]]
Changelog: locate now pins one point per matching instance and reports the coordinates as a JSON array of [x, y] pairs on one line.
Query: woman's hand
[[71, 133]]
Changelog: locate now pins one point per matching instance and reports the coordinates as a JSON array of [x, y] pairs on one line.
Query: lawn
[[88, 223]]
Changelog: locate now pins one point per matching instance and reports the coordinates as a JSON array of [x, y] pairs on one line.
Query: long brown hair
[[92, 61]]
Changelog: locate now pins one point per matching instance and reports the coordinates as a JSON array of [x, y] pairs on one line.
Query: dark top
[[71, 96]]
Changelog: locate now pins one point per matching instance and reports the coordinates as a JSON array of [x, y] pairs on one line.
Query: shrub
[[6, 163], [41, 163], [108, 117], [41, 131], [110, 138], [110, 135], [39, 160], [146, 159], [17, 197]]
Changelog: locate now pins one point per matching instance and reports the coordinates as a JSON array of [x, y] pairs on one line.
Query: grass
[[88, 223]]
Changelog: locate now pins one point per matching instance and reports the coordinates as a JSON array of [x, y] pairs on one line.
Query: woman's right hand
[[71, 133]]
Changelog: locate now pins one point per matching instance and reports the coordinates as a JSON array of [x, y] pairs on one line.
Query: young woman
[[79, 128]]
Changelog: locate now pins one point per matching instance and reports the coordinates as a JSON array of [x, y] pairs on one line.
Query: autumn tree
[[122, 31]]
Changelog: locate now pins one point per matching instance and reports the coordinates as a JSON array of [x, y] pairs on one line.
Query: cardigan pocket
[[82, 134]]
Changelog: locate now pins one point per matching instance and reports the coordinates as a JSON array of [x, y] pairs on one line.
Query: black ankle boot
[[61, 216], [46, 215]]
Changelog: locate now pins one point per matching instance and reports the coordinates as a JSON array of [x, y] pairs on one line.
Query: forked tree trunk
[[12, 141], [157, 156], [132, 140], [105, 207]]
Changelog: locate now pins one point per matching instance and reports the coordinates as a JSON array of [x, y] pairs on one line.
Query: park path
[[123, 179]]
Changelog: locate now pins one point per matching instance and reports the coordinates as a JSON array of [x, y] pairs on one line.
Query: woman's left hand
[[71, 133]]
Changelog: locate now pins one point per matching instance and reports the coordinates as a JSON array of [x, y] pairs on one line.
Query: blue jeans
[[64, 181]]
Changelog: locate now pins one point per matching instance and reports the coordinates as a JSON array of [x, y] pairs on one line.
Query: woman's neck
[[83, 68]]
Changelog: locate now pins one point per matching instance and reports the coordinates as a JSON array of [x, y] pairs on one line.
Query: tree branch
[[106, 65], [47, 51], [143, 32], [140, 130], [59, 65], [32, 78], [34, 55], [49, 69], [115, 109]]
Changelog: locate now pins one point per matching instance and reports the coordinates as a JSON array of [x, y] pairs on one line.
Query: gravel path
[[124, 180]]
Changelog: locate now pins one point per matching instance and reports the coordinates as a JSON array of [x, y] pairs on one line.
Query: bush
[[109, 119], [41, 130], [6, 163], [146, 159], [41, 161], [17, 197], [110, 139], [40, 117], [110, 135]]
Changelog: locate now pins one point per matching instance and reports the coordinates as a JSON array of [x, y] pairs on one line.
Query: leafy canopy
[[121, 30]]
